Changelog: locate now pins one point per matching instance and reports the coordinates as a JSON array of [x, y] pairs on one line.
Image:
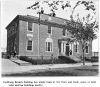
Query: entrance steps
[[20, 62]]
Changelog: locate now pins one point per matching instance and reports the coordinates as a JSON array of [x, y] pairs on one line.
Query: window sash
[[29, 45], [76, 47], [49, 30], [87, 49], [49, 46]]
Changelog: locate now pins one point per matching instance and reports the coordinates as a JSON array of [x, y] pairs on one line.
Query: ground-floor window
[[76, 47], [87, 49], [49, 46], [29, 45]]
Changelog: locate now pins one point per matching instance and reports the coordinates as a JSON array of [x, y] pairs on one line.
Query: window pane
[[29, 47], [49, 29], [48, 46], [29, 43]]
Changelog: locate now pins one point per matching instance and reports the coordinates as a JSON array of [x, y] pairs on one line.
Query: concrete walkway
[[9, 67]]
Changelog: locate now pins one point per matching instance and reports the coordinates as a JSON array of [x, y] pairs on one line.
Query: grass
[[72, 71]]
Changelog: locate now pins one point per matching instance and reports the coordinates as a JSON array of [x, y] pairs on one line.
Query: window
[[29, 45], [87, 49], [63, 32], [76, 46], [49, 30], [30, 26], [49, 45]]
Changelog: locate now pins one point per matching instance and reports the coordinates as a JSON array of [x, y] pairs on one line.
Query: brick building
[[29, 36]]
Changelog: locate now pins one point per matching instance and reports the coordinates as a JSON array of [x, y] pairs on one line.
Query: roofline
[[12, 21], [31, 17], [18, 17]]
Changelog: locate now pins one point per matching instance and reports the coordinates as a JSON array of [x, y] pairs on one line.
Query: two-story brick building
[[29, 36]]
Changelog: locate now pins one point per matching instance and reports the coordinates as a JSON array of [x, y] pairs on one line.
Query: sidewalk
[[10, 67]]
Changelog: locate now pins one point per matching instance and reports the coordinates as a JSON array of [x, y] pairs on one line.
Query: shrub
[[94, 59]]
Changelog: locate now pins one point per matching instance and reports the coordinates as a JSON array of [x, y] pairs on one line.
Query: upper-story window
[[64, 32], [30, 26], [49, 30]]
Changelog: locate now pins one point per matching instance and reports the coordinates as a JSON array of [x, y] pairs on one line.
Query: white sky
[[11, 8]]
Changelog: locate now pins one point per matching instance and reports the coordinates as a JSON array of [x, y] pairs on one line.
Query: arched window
[[49, 45]]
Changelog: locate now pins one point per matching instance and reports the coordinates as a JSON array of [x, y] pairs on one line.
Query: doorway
[[67, 49]]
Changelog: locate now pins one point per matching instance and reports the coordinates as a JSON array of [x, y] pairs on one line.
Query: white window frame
[[27, 46], [46, 46], [32, 26]]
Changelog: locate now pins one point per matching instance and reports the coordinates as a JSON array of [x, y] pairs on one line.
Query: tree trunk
[[83, 57], [83, 48]]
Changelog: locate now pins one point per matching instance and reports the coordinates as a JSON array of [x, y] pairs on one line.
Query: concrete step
[[20, 62]]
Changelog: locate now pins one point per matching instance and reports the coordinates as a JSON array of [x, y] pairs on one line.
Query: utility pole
[[39, 12], [39, 36]]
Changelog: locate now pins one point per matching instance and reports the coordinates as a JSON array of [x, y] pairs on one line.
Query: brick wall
[[23, 38]]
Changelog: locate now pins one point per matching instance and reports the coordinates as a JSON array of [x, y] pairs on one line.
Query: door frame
[[67, 45]]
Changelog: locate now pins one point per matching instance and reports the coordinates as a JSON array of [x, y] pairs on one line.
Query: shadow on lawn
[[71, 71], [47, 73]]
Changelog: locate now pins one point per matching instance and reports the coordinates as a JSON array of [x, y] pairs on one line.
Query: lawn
[[72, 71]]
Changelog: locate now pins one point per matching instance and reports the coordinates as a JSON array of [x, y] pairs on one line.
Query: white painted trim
[[47, 46]]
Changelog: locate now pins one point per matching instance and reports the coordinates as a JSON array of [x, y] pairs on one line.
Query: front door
[[67, 49]]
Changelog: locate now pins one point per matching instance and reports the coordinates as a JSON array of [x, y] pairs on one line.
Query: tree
[[83, 33], [83, 29]]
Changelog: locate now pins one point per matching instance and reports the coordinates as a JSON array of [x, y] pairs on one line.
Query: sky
[[11, 8]]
